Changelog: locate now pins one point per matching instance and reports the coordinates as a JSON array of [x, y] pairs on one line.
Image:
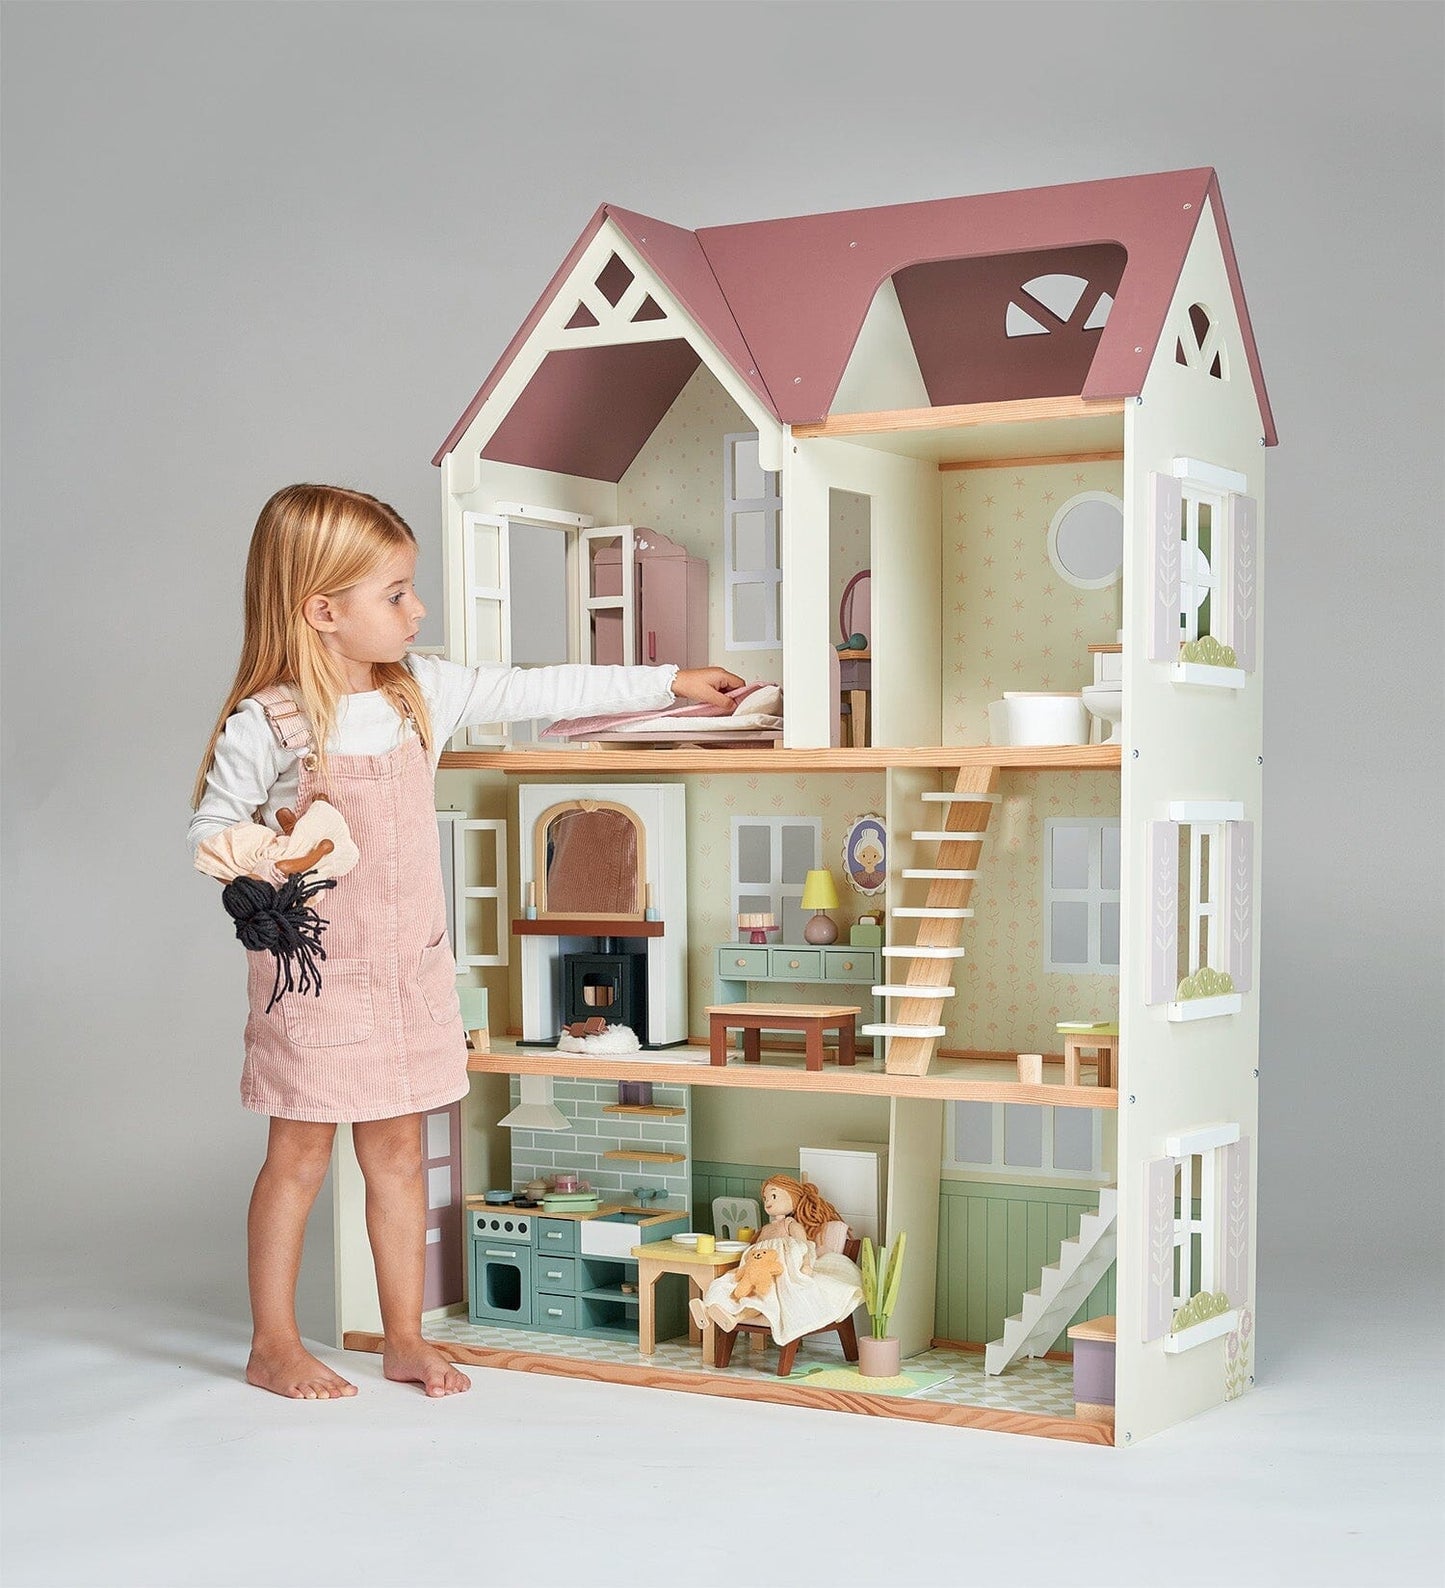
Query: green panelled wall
[[993, 1242]]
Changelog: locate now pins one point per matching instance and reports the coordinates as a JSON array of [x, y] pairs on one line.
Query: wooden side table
[[811, 1019], [668, 1257], [1101, 1040]]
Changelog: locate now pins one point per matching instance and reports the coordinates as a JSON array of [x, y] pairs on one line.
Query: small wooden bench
[[811, 1019]]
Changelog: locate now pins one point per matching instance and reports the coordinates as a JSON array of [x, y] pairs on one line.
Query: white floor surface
[[136, 1455]]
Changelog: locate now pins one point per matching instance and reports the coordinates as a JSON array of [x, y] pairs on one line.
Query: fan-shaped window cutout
[[1018, 323], [582, 317], [1061, 295], [1202, 345], [615, 279]]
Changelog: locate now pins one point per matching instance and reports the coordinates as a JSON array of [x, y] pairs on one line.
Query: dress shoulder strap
[[289, 722]]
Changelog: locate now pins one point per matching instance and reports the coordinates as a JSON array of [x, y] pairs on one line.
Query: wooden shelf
[[985, 1078], [642, 1156], [873, 758], [586, 926], [652, 1110]]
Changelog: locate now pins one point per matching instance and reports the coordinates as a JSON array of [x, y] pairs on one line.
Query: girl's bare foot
[[416, 1362], [292, 1371]]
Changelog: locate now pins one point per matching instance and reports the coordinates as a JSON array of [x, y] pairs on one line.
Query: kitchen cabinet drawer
[[555, 1273], [738, 961], [555, 1312], [556, 1235], [849, 964], [795, 964]]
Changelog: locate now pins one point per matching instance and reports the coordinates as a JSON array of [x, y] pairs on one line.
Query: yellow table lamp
[[819, 894]]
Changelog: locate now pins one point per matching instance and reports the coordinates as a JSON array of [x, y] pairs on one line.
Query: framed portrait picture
[[865, 853]]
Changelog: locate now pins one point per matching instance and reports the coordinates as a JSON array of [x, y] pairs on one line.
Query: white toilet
[[1105, 696]]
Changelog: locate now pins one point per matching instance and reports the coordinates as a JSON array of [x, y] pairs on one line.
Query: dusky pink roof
[[783, 302]]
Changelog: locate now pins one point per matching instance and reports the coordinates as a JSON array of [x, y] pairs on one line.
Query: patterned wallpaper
[[675, 486], [1006, 1000], [1009, 620], [712, 803]]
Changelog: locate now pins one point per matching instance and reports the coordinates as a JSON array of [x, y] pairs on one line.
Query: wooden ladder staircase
[[916, 1024]]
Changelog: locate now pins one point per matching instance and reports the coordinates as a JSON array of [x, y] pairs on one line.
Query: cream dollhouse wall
[[904, 498], [1179, 742], [675, 486]]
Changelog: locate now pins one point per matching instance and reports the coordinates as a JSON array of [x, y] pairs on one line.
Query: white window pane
[[438, 1136], [749, 482], [799, 853], [1070, 858], [752, 552], [973, 1133], [755, 904], [1069, 932], [1023, 1135], [1108, 934], [439, 1186], [487, 557], [755, 613], [755, 862], [434, 1236], [1073, 1140], [1110, 875]]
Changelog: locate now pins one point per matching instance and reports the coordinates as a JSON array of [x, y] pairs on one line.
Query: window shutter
[[1161, 971], [1235, 1271], [1166, 502], [1159, 1248], [487, 630], [1239, 903], [1243, 516]]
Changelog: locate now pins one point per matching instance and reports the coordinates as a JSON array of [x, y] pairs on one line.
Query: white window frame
[[775, 888], [1094, 895], [771, 505], [1045, 1173], [1206, 1146], [1193, 494], [455, 830]]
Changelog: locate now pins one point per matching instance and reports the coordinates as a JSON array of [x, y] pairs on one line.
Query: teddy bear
[[756, 1273]]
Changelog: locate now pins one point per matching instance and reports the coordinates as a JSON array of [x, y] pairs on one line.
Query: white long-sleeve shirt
[[252, 773]]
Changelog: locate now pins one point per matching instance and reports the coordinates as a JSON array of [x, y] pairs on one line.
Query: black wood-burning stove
[[611, 983]]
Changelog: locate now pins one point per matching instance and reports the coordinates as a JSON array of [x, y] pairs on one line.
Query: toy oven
[[500, 1268]]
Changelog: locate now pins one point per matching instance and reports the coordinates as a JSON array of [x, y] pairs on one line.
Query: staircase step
[[924, 913], [949, 838], [902, 1031], [940, 876], [914, 992], [952, 798], [918, 951]]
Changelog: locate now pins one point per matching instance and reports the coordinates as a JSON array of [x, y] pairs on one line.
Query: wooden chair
[[847, 1334]]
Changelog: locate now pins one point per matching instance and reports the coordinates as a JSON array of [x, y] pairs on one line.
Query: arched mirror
[[590, 860], [1086, 539]]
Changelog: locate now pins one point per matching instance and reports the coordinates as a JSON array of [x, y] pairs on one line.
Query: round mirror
[[1086, 539]]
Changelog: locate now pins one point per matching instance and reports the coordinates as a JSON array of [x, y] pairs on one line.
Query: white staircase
[[1063, 1287]]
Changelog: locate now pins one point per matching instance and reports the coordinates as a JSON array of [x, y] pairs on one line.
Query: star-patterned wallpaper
[[1010, 621]]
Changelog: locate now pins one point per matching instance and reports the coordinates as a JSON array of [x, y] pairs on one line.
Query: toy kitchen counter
[[566, 1272]]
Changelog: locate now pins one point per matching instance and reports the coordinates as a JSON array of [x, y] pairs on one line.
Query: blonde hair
[[312, 540], [810, 1207]]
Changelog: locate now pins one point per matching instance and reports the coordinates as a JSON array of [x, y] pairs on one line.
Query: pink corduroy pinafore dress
[[384, 1037]]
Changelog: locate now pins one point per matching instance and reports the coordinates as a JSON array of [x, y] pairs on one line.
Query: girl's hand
[[707, 684]]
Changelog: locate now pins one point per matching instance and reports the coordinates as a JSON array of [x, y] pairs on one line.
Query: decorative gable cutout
[[650, 310], [1061, 295], [1202, 347], [582, 318], [614, 280]]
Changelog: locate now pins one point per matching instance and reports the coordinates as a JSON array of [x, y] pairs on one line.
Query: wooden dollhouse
[[1032, 424]]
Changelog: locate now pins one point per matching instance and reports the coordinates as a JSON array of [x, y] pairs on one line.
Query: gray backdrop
[[251, 244]]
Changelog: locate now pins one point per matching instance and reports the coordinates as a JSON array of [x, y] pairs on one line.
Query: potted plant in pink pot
[[878, 1351]]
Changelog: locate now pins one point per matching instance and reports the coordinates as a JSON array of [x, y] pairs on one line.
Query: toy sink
[[615, 1233]]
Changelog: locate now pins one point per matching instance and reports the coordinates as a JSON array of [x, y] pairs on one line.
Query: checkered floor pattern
[[1045, 1389]]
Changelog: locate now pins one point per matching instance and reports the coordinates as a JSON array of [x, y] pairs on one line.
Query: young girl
[[327, 703]]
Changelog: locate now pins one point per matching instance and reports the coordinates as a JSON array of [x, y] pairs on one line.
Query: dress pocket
[[343, 1012], [437, 977]]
